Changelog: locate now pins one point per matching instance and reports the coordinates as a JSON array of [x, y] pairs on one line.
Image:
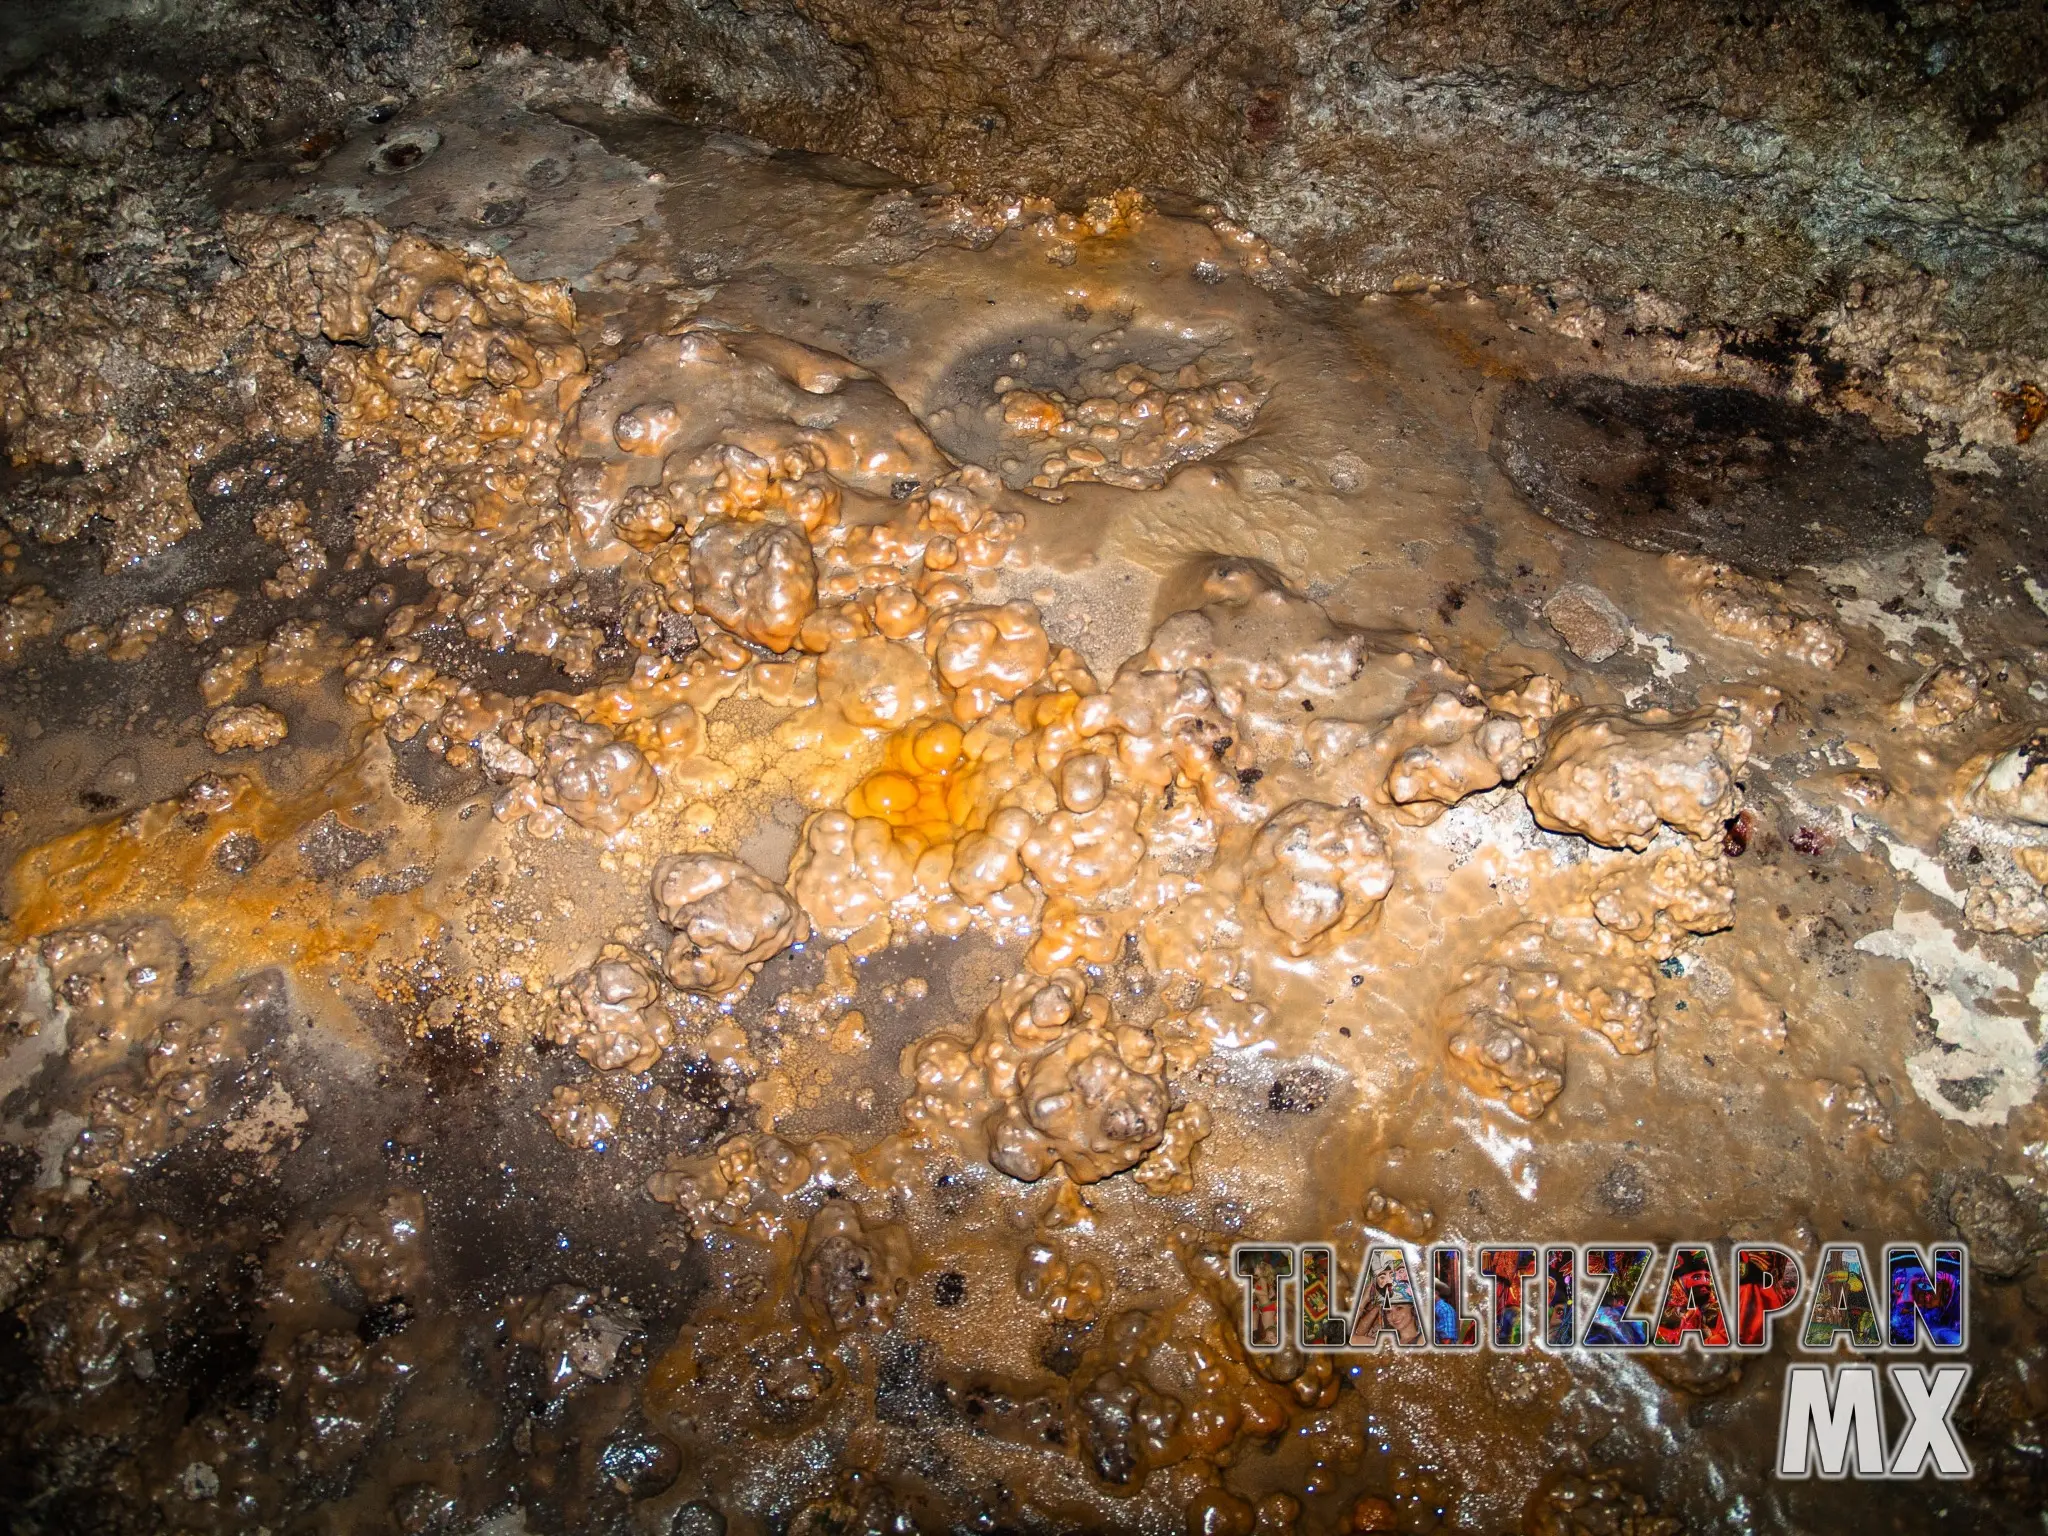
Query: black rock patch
[[1711, 470]]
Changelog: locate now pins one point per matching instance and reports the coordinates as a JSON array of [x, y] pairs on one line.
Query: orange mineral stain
[[165, 860]]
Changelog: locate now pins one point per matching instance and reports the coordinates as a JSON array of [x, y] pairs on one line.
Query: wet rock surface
[[689, 831]]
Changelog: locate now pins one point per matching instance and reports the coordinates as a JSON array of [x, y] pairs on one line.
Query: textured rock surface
[[1867, 178], [1746, 163], [877, 776]]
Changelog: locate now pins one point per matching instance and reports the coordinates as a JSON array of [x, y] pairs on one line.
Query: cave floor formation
[[748, 815]]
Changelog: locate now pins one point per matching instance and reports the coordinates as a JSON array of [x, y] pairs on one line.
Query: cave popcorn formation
[[933, 959]]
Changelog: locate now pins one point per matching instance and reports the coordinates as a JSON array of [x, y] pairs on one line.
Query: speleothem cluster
[[923, 942]]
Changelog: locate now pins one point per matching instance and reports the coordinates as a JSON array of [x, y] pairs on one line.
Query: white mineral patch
[[1499, 819], [45, 1027], [1984, 1067], [1922, 869], [1666, 659], [2036, 592], [1901, 593]]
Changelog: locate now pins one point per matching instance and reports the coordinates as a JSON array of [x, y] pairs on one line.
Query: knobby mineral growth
[[806, 943]]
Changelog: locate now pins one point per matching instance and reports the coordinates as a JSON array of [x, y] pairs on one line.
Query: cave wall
[[1749, 161], [1866, 172]]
